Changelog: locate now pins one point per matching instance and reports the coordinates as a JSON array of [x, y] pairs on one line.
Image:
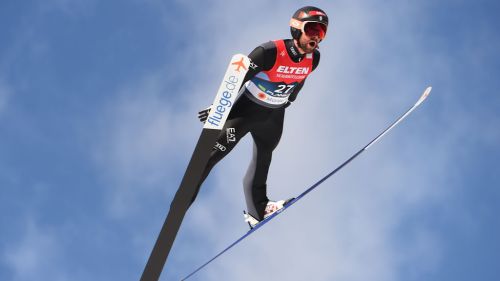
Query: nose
[[315, 38]]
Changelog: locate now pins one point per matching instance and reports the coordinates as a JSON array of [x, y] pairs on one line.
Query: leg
[[266, 138], [234, 130]]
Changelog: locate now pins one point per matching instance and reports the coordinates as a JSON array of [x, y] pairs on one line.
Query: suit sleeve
[[262, 59]]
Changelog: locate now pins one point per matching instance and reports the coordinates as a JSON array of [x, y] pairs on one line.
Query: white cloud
[[350, 222], [139, 135], [372, 69], [33, 257], [373, 66]]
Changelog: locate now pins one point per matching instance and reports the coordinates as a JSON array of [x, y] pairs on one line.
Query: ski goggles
[[310, 28]]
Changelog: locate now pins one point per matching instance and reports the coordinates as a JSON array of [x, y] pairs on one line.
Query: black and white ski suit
[[259, 110]]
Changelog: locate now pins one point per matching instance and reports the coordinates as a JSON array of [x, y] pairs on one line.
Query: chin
[[309, 50], [309, 47]]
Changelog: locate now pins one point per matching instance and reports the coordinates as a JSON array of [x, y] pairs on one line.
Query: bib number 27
[[283, 88]]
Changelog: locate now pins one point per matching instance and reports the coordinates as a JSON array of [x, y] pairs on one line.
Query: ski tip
[[424, 95]]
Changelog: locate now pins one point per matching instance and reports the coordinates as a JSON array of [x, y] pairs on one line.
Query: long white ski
[[372, 142]]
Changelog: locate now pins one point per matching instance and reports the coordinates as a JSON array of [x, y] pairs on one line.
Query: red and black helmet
[[310, 20]]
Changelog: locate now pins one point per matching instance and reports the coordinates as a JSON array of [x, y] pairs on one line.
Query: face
[[308, 44], [312, 34]]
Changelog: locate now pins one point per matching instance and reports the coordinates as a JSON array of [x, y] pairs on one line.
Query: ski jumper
[[276, 76]]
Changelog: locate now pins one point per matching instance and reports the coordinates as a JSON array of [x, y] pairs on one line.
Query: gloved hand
[[203, 114]]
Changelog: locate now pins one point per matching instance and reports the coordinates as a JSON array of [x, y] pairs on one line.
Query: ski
[[293, 201], [225, 98]]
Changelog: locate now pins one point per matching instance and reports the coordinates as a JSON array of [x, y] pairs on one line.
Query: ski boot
[[271, 208]]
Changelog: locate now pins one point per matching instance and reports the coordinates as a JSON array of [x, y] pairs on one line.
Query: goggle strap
[[296, 23]]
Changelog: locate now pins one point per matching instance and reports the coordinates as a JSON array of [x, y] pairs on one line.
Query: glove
[[203, 114]]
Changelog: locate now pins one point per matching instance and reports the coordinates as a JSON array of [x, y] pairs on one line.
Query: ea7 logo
[[230, 134]]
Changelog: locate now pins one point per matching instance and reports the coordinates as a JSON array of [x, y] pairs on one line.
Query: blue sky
[[98, 103]]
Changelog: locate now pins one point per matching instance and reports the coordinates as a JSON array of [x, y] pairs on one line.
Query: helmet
[[304, 15]]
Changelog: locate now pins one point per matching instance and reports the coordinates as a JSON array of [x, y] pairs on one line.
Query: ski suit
[[275, 77]]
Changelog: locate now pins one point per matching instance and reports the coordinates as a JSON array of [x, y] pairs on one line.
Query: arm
[[262, 59]]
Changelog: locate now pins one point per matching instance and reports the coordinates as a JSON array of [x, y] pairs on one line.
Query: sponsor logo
[[231, 135], [295, 23], [239, 64], [275, 100], [220, 147], [253, 65], [283, 53], [294, 52], [292, 70], [224, 103]]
